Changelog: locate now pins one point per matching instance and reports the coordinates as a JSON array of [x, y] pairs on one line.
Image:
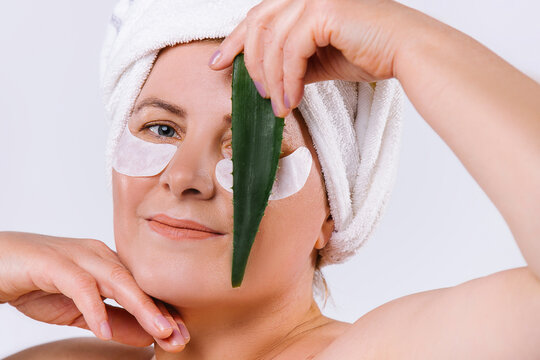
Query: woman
[[403, 44]]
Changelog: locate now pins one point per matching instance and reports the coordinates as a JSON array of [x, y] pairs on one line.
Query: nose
[[190, 171]]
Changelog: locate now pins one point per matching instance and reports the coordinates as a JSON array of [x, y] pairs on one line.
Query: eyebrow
[[172, 108]]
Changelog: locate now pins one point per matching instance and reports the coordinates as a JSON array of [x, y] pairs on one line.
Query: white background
[[440, 229]]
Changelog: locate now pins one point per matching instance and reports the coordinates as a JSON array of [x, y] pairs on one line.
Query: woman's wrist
[[419, 36]]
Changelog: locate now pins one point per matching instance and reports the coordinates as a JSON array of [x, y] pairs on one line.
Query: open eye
[[163, 130]]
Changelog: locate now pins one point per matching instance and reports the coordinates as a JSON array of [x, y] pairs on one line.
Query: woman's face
[[198, 272]]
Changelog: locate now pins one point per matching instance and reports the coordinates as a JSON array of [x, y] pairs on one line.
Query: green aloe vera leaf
[[256, 145]]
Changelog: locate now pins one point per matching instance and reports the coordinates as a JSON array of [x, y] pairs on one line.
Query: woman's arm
[[83, 348], [488, 112], [492, 317], [483, 108]]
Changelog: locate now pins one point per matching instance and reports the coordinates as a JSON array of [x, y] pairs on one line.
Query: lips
[[178, 229]]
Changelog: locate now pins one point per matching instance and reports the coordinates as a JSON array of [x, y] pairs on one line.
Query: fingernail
[[215, 58], [260, 88], [184, 331], [274, 107], [162, 323], [106, 331], [177, 338], [286, 101]]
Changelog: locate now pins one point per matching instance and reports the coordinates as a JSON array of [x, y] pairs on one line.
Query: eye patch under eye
[[292, 173], [137, 157]]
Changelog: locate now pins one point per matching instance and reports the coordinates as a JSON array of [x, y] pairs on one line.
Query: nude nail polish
[[177, 338], [286, 101], [162, 323], [260, 88], [215, 58], [184, 331], [106, 331]]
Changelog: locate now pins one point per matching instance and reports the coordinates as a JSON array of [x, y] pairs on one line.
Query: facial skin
[[194, 276]]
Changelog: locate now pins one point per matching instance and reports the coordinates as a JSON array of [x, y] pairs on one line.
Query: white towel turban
[[355, 129]]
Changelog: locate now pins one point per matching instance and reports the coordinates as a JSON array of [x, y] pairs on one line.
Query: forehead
[[181, 76], [185, 66]]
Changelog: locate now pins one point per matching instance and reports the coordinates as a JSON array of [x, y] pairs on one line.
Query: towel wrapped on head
[[355, 127]]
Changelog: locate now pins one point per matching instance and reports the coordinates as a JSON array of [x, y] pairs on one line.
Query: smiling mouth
[[179, 233]]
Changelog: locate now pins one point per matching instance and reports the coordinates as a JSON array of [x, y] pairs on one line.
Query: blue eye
[[162, 130]]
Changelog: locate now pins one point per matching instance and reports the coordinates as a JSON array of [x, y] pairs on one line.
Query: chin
[[182, 282]]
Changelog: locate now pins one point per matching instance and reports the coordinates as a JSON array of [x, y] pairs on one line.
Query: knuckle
[[119, 274], [147, 302], [253, 12], [85, 281], [43, 272], [103, 249], [288, 52], [73, 249], [268, 35], [100, 244], [256, 18]]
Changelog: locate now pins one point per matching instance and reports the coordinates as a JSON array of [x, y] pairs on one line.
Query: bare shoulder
[[83, 348], [491, 317]]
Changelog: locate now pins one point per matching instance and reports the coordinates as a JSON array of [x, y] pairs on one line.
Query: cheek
[[193, 273], [288, 232], [123, 203], [128, 193]]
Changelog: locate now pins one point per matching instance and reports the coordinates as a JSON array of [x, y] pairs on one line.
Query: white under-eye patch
[[293, 171], [137, 157]]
